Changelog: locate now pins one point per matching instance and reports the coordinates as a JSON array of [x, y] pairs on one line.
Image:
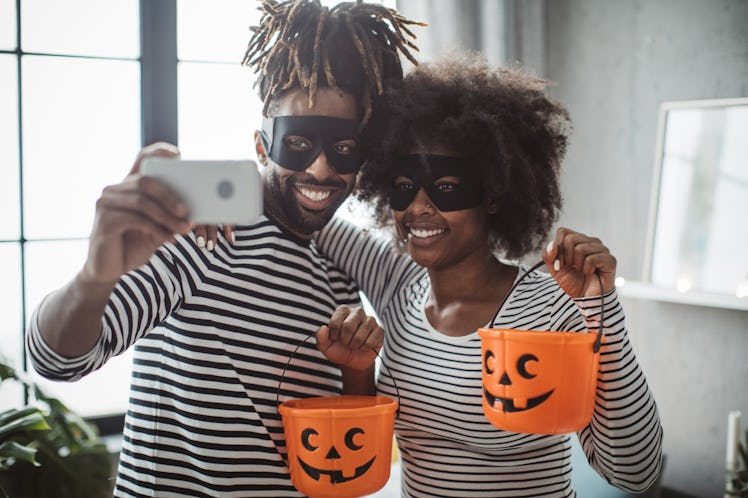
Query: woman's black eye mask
[[424, 170], [323, 132]]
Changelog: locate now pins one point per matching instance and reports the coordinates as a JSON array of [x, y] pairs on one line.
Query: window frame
[[158, 102]]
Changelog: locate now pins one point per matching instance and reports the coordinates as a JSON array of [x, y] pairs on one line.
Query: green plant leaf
[[28, 419], [17, 452], [52, 452], [7, 372], [9, 416]]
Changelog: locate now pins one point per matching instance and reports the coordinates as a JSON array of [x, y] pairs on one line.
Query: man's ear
[[260, 149]]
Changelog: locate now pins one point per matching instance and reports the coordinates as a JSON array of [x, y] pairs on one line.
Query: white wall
[[614, 62]]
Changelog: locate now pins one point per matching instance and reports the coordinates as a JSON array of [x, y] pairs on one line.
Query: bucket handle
[[293, 354], [598, 340]]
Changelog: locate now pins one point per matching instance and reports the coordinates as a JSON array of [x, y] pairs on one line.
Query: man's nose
[[321, 168]]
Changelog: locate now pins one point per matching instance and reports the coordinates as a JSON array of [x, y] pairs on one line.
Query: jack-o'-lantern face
[[538, 382], [515, 387], [341, 457]]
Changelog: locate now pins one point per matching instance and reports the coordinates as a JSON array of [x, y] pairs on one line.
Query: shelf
[[643, 290]]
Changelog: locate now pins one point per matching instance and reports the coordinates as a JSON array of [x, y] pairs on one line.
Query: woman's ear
[[260, 149], [492, 206]]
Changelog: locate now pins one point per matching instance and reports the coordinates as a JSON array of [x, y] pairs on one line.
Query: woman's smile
[[424, 232]]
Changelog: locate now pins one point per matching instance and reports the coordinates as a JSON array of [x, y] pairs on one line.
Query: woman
[[463, 163]]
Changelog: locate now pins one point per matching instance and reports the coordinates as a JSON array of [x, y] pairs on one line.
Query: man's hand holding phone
[[161, 197], [133, 219], [225, 193]]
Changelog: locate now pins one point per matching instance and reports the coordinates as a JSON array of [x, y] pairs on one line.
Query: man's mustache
[[311, 181]]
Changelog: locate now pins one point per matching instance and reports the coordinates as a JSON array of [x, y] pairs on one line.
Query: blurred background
[[84, 84]]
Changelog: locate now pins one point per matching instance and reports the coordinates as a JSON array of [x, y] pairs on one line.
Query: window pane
[[8, 31], [103, 392], [214, 31], [81, 132], [11, 393], [81, 27], [9, 198], [218, 31], [49, 265], [11, 326], [218, 111]]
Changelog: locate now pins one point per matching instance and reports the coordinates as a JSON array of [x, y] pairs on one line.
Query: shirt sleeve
[[623, 441], [141, 300], [367, 257]]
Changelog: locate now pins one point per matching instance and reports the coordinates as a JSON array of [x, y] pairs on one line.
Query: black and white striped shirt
[[448, 446], [213, 332]]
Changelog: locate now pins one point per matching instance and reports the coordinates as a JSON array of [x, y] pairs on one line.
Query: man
[[216, 332]]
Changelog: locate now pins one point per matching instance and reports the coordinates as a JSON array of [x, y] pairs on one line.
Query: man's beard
[[284, 203]]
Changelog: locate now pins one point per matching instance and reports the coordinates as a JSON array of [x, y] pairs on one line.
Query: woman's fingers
[[200, 235], [228, 232], [576, 259], [211, 237], [207, 235]]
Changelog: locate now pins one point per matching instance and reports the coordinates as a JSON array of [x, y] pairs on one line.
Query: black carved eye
[[522, 365], [305, 435], [349, 438], [489, 355]]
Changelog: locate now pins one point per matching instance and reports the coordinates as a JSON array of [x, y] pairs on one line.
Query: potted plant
[[46, 450]]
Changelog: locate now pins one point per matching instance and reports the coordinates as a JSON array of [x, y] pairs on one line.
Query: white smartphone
[[217, 192]]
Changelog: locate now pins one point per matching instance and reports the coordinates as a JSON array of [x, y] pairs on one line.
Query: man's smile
[[314, 194], [315, 197]]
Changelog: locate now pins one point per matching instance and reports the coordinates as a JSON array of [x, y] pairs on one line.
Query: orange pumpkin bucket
[[339, 446], [539, 382]]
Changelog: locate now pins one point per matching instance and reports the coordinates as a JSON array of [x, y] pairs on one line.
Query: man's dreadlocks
[[352, 47]]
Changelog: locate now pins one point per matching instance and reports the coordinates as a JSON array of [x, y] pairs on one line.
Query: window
[[69, 125], [83, 85], [218, 106]]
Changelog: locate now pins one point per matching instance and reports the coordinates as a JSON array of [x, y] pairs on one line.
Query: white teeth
[[423, 233], [314, 195]]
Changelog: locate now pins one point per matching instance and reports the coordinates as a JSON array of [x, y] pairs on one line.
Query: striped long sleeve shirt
[[448, 447], [214, 336]]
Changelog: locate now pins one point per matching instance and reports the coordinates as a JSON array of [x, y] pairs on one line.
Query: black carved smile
[[336, 476], [507, 404]]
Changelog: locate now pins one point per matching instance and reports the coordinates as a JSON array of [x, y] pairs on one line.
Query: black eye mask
[[424, 170], [322, 131]]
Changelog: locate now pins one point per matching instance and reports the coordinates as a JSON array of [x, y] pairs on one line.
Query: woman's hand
[[574, 258], [207, 235], [351, 339]]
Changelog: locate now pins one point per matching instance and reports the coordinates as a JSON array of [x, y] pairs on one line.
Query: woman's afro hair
[[499, 118]]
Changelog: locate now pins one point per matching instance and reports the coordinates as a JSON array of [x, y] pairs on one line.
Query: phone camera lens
[[225, 189]]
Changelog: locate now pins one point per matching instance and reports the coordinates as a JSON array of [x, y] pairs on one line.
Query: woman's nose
[[421, 203]]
